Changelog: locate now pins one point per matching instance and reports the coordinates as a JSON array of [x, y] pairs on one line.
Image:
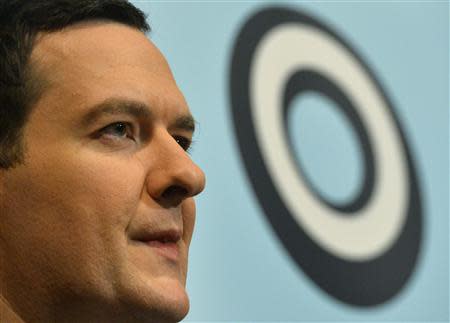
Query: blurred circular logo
[[361, 252]]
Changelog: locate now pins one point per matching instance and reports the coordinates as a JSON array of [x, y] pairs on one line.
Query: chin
[[174, 303], [160, 300]]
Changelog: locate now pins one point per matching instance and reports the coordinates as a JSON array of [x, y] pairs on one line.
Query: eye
[[184, 142], [118, 130]]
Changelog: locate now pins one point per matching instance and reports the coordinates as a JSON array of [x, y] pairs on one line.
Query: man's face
[[101, 214]]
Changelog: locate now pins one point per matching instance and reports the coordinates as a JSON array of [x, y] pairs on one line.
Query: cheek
[[97, 185], [77, 205], [108, 192], [58, 214]]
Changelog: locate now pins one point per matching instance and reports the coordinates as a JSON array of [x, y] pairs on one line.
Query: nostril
[[174, 194]]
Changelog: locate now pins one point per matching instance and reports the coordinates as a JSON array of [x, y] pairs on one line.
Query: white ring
[[289, 48]]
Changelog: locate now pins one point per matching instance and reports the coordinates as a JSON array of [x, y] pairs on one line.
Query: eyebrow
[[185, 122], [137, 109]]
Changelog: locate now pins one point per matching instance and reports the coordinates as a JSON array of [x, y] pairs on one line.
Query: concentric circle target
[[362, 259]]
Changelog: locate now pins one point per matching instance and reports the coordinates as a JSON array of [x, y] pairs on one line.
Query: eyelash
[[127, 126], [184, 142]]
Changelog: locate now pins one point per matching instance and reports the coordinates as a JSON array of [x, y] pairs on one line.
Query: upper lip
[[169, 235]]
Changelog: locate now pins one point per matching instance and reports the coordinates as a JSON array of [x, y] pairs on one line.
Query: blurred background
[[273, 245]]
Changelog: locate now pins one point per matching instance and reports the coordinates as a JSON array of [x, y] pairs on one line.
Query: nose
[[173, 176]]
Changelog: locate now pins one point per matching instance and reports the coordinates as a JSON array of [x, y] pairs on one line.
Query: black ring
[[361, 283], [312, 81]]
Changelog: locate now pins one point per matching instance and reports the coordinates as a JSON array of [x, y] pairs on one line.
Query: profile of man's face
[[100, 215]]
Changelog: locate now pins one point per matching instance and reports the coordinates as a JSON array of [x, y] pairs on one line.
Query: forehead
[[92, 62]]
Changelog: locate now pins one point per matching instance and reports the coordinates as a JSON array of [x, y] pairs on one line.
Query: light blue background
[[239, 271]]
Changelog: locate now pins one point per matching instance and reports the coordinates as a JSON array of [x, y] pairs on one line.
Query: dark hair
[[20, 22]]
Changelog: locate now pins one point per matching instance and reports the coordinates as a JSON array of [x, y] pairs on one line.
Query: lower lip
[[166, 249]]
